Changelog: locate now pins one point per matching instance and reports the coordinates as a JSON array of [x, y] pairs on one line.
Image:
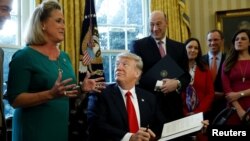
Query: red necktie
[[161, 49], [132, 119], [214, 67]]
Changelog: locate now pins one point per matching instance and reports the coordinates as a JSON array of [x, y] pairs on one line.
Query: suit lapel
[[119, 103], [141, 104], [154, 51], [207, 59]]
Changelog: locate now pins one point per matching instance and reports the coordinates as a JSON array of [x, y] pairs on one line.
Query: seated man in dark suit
[[111, 121]]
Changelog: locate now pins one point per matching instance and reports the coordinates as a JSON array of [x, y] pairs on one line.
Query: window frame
[[113, 52]]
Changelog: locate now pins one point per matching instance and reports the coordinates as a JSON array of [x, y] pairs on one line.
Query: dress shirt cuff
[[126, 137]]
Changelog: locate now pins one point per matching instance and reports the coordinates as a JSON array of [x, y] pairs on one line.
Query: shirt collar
[[163, 40], [125, 91], [210, 55]]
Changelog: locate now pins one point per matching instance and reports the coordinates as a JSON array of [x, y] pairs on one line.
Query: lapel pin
[[64, 60]]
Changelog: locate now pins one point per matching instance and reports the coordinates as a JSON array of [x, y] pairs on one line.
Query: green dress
[[30, 71]]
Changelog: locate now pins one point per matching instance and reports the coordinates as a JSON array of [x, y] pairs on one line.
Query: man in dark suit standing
[[111, 121], [5, 8], [147, 48], [215, 42]]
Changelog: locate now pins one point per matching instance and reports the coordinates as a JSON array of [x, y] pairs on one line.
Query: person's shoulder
[[63, 53], [142, 43], [110, 88], [145, 92], [204, 56], [144, 39], [22, 53], [111, 85]]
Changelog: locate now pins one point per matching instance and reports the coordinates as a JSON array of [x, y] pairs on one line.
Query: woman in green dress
[[41, 80]]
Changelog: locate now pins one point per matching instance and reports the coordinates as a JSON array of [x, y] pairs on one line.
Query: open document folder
[[182, 127]]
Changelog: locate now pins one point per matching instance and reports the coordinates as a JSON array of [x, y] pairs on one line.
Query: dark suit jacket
[[217, 83], [219, 103], [147, 49], [111, 123]]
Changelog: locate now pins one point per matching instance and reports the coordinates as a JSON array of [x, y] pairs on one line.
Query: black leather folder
[[164, 68]]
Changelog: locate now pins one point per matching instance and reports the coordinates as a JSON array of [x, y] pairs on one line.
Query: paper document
[[182, 127]]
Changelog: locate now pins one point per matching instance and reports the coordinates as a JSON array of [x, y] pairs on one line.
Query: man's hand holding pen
[[143, 134]]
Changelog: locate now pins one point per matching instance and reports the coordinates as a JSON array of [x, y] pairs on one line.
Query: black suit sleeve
[[185, 78], [105, 119]]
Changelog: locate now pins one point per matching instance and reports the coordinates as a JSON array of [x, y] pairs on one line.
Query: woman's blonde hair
[[35, 35]]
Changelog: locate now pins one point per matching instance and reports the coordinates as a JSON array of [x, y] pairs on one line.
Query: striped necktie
[[161, 49]]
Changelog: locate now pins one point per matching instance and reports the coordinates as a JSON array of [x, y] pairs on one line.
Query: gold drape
[[73, 14], [178, 27]]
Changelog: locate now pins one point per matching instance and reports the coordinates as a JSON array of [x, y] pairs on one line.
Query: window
[[11, 38], [119, 24]]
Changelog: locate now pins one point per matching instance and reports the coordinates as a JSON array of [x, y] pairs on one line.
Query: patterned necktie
[[161, 49], [132, 119], [213, 67]]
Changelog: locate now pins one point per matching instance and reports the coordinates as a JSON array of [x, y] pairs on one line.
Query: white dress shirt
[[136, 106]]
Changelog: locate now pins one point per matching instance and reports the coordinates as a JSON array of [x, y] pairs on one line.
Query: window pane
[[113, 57], [106, 67], [14, 8], [103, 38], [110, 12], [134, 33], [109, 67], [9, 33], [134, 12], [117, 39]]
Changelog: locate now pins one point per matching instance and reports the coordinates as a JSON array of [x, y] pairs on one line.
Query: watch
[[242, 94], [178, 86]]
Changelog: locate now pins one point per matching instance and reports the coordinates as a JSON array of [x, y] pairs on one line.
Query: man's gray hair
[[136, 58]]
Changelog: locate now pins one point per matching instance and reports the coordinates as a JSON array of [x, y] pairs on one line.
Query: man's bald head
[[158, 25]]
